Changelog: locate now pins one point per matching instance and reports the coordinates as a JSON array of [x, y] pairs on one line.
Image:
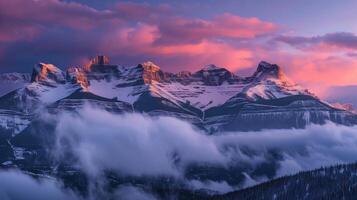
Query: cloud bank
[[138, 145], [15, 185], [133, 144]]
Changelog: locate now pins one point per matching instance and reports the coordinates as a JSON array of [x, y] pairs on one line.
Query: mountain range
[[212, 99]]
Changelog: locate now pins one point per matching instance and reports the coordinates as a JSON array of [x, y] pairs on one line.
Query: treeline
[[337, 182]]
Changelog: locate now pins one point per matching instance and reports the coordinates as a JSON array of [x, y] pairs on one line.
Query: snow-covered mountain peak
[[210, 67], [213, 75], [47, 73], [150, 66], [99, 68], [149, 72], [213, 97], [269, 82]]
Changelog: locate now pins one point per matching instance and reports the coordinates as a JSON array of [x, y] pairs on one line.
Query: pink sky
[[130, 33]]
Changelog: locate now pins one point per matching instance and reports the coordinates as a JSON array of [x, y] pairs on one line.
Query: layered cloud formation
[[141, 146], [166, 147], [16, 185], [105, 141]]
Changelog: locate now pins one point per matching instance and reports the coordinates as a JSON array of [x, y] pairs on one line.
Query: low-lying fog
[[138, 145]]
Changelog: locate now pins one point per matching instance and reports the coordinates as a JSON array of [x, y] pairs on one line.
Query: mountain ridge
[[212, 98]]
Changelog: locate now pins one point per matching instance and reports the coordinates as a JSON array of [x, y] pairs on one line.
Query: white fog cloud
[[132, 193], [15, 185], [302, 149], [135, 144], [221, 187]]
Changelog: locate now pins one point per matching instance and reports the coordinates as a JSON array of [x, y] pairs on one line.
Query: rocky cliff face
[[47, 73]]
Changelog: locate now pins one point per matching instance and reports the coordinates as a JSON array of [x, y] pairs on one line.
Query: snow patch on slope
[[50, 94], [202, 96], [273, 89], [109, 89]]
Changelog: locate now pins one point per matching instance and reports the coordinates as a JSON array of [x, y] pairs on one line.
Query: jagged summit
[[266, 71], [100, 64], [205, 88], [148, 65], [269, 82], [98, 60], [210, 67], [100, 68], [148, 72], [47, 73], [213, 75]]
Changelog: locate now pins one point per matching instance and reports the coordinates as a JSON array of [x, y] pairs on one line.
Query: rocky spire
[[266, 70]]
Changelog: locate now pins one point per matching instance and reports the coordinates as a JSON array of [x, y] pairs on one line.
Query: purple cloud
[[338, 39], [67, 32]]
